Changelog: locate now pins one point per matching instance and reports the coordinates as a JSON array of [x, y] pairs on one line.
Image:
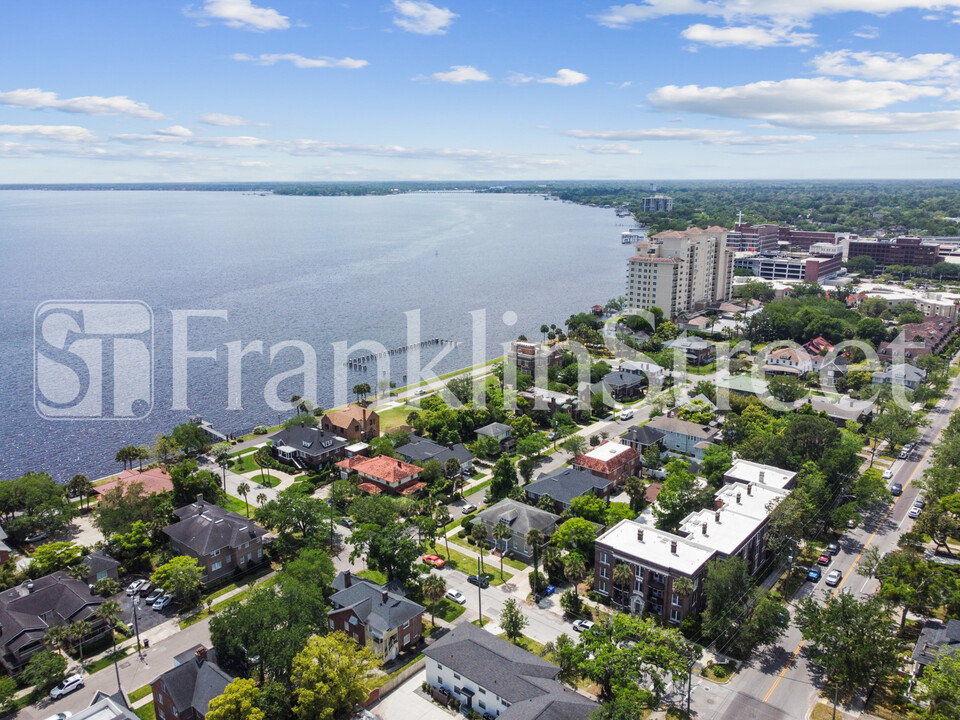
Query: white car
[[456, 596], [134, 587], [69, 684], [915, 511], [61, 715], [163, 602], [887, 475], [468, 508], [626, 415], [581, 625]]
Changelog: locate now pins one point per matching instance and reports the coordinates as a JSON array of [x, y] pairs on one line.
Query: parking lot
[[147, 617]]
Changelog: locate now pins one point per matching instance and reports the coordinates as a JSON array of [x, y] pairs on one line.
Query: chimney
[[738, 497], [749, 489], [703, 528], [399, 464], [200, 499], [673, 547], [385, 596], [762, 473], [347, 578], [251, 531], [717, 503], [640, 534], [201, 655], [716, 516]]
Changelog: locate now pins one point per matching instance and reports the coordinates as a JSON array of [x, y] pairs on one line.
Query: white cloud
[[300, 61], [240, 14], [60, 133], [748, 36], [175, 131], [515, 78], [888, 66], [221, 120], [773, 100], [706, 136], [867, 32], [612, 149], [623, 16], [422, 17], [566, 78], [461, 74], [37, 99]]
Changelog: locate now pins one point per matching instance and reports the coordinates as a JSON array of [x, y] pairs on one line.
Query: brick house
[[354, 422], [377, 618], [610, 461], [383, 474], [221, 541], [184, 692]]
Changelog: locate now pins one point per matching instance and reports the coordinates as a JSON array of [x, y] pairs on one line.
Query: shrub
[[260, 430], [462, 534], [718, 672], [538, 583], [571, 603]]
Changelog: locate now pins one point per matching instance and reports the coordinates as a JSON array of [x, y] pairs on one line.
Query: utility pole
[[689, 685], [479, 592], [136, 624]]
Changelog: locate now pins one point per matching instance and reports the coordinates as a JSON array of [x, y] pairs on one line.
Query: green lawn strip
[[456, 523], [140, 693], [245, 451], [491, 559], [146, 712], [394, 417], [107, 660], [234, 504], [204, 614], [447, 610], [477, 488], [373, 575], [378, 681], [528, 644], [467, 564]]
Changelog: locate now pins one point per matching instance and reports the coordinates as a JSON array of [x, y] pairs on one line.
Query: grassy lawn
[[146, 712], [373, 575], [245, 464], [236, 505], [720, 673], [467, 564], [477, 488], [107, 660], [456, 522], [204, 614], [528, 644], [447, 610], [493, 560], [140, 693], [394, 417]]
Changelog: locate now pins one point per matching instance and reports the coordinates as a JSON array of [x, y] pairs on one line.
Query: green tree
[[575, 534], [301, 420], [512, 620], [575, 570], [786, 389], [189, 481], [617, 511], [244, 490], [109, 611], [58, 636], [80, 486], [79, 631], [575, 445], [8, 691], [330, 676], [190, 437], [862, 264], [636, 489], [522, 426], [106, 587], [501, 533], [717, 460], [563, 653], [652, 458], [239, 701], [361, 390], [53, 556], [182, 577], [486, 447], [389, 549], [44, 670], [504, 479], [940, 687], [479, 534], [589, 507], [680, 495], [434, 587], [164, 448], [535, 539]]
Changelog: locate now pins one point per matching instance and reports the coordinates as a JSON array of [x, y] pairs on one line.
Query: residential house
[[383, 474], [908, 376], [699, 403], [830, 369], [154, 481], [623, 386], [493, 677], [353, 422], [499, 432], [106, 707], [788, 361], [222, 542], [531, 357], [308, 447], [420, 451], [936, 639], [745, 385], [654, 374], [640, 437], [697, 350], [184, 692], [682, 436], [844, 409], [708, 324], [916, 339], [818, 346], [553, 402], [383, 621], [100, 566], [29, 610], [521, 519], [609, 460], [747, 472], [565, 484]]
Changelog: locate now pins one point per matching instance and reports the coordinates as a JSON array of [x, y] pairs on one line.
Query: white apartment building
[[680, 272]]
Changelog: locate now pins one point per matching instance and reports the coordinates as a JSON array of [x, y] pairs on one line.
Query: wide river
[[314, 271]]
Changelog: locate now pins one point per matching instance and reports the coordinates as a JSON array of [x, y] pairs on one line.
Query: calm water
[[316, 270]]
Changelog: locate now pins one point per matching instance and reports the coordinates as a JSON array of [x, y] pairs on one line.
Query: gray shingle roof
[[520, 517], [205, 527], [564, 484], [624, 379], [559, 703], [643, 435], [492, 663], [682, 427], [309, 440], [494, 429], [366, 599], [421, 450], [936, 639], [193, 684], [99, 561]]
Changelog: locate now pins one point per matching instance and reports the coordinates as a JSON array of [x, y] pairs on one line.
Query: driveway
[[405, 703]]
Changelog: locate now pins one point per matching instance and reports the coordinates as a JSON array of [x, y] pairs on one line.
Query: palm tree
[[575, 570], [683, 587], [544, 329], [479, 535], [622, 577], [535, 539], [442, 517], [78, 571], [361, 390], [78, 632], [58, 636], [244, 489], [551, 559], [109, 611], [80, 486], [123, 456], [261, 499], [434, 587], [501, 532], [637, 491], [140, 453]]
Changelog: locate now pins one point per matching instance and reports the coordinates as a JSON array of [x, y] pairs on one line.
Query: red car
[[437, 562], [825, 559]]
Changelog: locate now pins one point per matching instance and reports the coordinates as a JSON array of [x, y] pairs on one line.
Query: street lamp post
[[479, 592], [136, 624]]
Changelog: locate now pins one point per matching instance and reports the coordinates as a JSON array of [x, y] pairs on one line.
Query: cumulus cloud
[[515, 78], [706, 136], [37, 99], [623, 16], [175, 131], [300, 61], [60, 133], [221, 120], [611, 149], [867, 32], [748, 36], [565, 77], [240, 14], [888, 66], [422, 18], [461, 74]]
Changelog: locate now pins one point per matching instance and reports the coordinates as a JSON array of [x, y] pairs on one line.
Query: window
[[674, 615], [482, 691], [331, 624], [406, 625], [353, 620], [456, 677], [215, 553], [601, 586], [216, 566], [101, 575], [160, 713], [604, 558], [229, 559], [676, 600], [481, 704], [604, 571]]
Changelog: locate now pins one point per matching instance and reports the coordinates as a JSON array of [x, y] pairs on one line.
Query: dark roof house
[[936, 639], [100, 566], [308, 446], [420, 451], [564, 484], [640, 437], [185, 691]]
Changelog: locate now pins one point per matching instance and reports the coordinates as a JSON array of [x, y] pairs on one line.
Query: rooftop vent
[[703, 528], [640, 534], [673, 547]]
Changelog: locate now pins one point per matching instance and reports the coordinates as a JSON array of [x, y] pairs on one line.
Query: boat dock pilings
[[360, 363]]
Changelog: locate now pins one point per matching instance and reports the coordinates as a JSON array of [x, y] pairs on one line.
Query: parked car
[[550, 590], [468, 508], [146, 588], [61, 715], [479, 581], [36, 537], [834, 577], [919, 501], [626, 415], [67, 686], [896, 489], [904, 454], [915, 511], [162, 602], [456, 596], [888, 474], [437, 562], [814, 574], [552, 435], [154, 596], [824, 558], [134, 587], [581, 625], [347, 522], [833, 548]]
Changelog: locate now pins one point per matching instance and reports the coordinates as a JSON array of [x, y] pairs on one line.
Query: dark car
[[347, 522], [479, 581], [896, 489], [833, 548], [814, 574]]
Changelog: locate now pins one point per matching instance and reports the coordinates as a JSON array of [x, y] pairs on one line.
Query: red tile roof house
[[155, 480], [611, 461], [383, 474]]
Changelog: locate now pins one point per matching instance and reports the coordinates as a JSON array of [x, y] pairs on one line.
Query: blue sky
[[103, 91]]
